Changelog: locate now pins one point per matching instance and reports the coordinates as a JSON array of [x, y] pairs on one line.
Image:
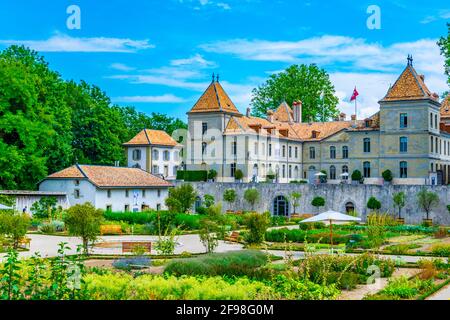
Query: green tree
[[373, 204], [15, 225], [295, 198], [444, 44], [427, 200], [257, 225], [356, 175], [212, 228], [83, 220], [181, 198], [238, 174], [399, 199], [229, 196], [44, 208], [318, 202], [208, 200], [251, 196], [212, 174], [298, 82], [387, 175]]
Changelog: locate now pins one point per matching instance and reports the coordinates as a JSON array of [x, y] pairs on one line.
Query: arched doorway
[[281, 206], [198, 203], [349, 207]]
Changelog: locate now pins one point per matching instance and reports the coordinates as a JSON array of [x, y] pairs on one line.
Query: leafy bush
[[387, 175], [441, 250], [181, 198], [192, 175], [297, 235], [212, 174], [47, 227], [356, 175], [237, 263], [401, 248], [403, 288], [251, 196], [132, 263], [318, 202], [238, 174], [373, 204], [257, 225]]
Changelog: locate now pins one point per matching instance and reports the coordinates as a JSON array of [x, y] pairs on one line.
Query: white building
[[109, 188], [26, 198], [154, 151]]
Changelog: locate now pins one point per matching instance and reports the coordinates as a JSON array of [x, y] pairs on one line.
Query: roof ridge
[[82, 171], [414, 73], [217, 96], [146, 135]]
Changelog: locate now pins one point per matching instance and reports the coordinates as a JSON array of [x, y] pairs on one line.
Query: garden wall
[[336, 197]]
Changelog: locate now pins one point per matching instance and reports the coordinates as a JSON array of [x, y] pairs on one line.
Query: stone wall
[[336, 196]]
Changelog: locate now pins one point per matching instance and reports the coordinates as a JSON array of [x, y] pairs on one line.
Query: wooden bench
[[301, 215], [25, 242], [129, 246], [233, 237], [110, 229]]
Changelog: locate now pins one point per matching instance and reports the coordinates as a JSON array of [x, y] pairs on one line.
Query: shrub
[[234, 263], [208, 200], [15, 225], [192, 175], [441, 250], [441, 233], [132, 263], [238, 174], [356, 175], [403, 288], [229, 196], [212, 174], [257, 225], [52, 227], [401, 248], [251, 196], [373, 204], [387, 175], [181, 198], [318, 202], [427, 200]]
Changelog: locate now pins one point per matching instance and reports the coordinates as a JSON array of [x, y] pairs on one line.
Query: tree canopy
[[444, 44], [298, 82], [48, 123]]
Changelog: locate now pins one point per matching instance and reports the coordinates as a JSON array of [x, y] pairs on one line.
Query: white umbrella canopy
[[345, 174], [331, 215], [3, 207], [320, 174]]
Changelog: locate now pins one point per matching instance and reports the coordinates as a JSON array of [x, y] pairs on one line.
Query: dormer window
[[367, 123], [315, 134]]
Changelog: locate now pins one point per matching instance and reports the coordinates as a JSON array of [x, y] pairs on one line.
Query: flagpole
[[355, 107]]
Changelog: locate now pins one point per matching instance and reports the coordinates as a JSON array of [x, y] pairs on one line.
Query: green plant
[[212, 174], [192, 175], [356, 175], [318, 202], [181, 198], [427, 200], [83, 220], [251, 196], [15, 225], [212, 228], [373, 204], [238, 174], [257, 225], [9, 281], [208, 200], [229, 195], [399, 199], [441, 250], [45, 208], [387, 175], [295, 199]]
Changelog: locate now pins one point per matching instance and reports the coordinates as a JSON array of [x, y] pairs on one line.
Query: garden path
[[443, 294]]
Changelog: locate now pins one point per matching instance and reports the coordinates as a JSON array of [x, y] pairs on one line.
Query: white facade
[[158, 160], [80, 191]]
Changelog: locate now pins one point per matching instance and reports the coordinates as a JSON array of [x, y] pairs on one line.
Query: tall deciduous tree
[[444, 44], [298, 82]]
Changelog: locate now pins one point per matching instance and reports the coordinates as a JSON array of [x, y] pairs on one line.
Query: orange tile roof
[[283, 113], [324, 129], [108, 176], [214, 99], [152, 137], [409, 86], [445, 107]]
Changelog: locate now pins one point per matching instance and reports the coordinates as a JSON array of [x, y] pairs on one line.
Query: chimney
[[247, 114], [422, 77], [116, 163], [297, 108], [353, 117], [270, 116], [342, 116]]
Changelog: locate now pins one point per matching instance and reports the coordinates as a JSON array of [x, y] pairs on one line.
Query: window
[[284, 151], [263, 149], [290, 152], [204, 148], [127, 208], [403, 120], [109, 207], [435, 121], [204, 127], [345, 170], [332, 172], [403, 169], [108, 193], [77, 182], [158, 192], [431, 120], [296, 152], [176, 156], [256, 148], [366, 166], [127, 193], [366, 144], [284, 171], [77, 193], [234, 148], [431, 144], [136, 154], [166, 155], [232, 169], [312, 152], [175, 170], [332, 152], [166, 171], [403, 144], [431, 167], [344, 152], [155, 154], [367, 123], [143, 193], [155, 170], [270, 149], [158, 207], [290, 171]]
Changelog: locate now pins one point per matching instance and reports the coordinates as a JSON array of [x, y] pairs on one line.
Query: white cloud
[[197, 60], [442, 14], [166, 98], [65, 43], [224, 6], [121, 67]]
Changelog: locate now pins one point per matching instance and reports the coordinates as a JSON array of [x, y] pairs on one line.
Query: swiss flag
[[354, 95]]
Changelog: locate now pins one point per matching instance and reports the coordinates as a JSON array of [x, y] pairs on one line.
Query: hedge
[[297, 235], [192, 175]]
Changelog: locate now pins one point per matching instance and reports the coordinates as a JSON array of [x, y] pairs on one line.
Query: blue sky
[[159, 55]]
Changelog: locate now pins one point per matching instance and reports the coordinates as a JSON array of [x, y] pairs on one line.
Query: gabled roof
[[445, 107], [109, 176], [214, 99], [323, 129], [152, 137], [409, 86], [283, 113]]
